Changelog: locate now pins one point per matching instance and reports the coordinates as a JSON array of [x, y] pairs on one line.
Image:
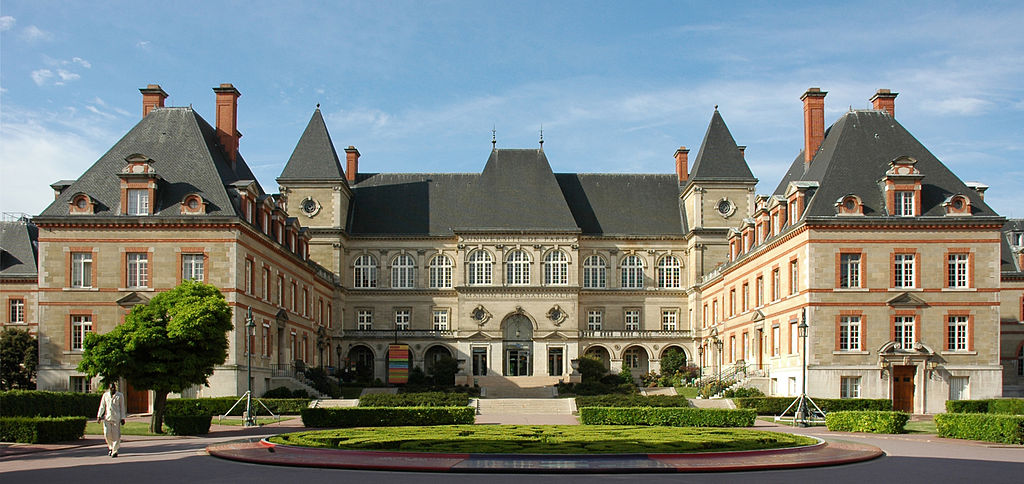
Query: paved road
[[910, 459]]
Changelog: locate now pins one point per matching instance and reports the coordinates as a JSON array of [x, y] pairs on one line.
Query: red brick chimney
[[352, 165], [743, 151], [682, 163], [814, 122], [885, 100], [227, 119], [152, 97]]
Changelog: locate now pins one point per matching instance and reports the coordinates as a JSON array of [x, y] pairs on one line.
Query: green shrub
[[591, 369], [1007, 429], [777, 405], [220, 405], [873, 421], [632, 401], [1007, 406], [387, 416], [674, 417], [742, 392], [35, 403], [279, 392], [41, 430], [464, 389], [188, 424], [429, 399], [967, 406], [597, 388]]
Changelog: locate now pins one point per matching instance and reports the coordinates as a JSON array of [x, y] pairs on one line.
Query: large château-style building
[[910, 284]]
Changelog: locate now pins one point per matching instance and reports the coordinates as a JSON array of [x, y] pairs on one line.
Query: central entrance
[[518, 344], [903, 388]]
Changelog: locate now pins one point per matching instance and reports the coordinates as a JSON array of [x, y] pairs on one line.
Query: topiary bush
[[632, 401], [220, 405], [387, 416], [777, 405], [188, 424], [873, 421], [1007, 406], [967, 406], [41, 430], [673, 417], [428, 399], [35, 403], [1006, 429]]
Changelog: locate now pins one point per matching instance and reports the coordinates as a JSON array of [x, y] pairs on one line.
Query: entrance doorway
[[479, 361], [555, 361], [903, 388], [517, 362], [136, 401], [518, 345]]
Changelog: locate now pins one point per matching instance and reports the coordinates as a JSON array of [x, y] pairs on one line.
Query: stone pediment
[[757, 316], [132, 299], [906, 300], [480, 336], [553, 335]]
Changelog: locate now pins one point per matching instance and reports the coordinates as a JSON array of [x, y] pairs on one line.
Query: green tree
[[674, 361], [167, 345], [19, 355]]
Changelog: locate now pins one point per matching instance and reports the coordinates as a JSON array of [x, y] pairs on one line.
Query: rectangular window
[[265, 287], [904, 204], [958, 386], [632, 320], [903, 332], [594, 320], [792, 212], [81, 269], [849, 270], [732, 302], [138, 201], [849, 387], [746, 297], [704, 317], [248, 276], [305, 302], [794, 277], [440, 320], [294, 296], [957, 330], [794, 339], [402, 318], [364, 319], [80, 384], [280, 291], [849, 333], [138, 269], [80, 326], [903, 270], [714, 311], [669, 319], [192, 267], [265, 340], [957, 267], [16, 310], [759, 290], [732, 348], [776, 285], [776, 340]]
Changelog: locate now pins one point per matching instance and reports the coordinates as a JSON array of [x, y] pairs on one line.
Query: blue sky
[[417, 86]]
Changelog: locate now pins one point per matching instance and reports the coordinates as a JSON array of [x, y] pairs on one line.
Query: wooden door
[[136, 401], [903, 388]]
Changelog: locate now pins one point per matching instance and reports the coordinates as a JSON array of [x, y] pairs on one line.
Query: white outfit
[[112, 411]]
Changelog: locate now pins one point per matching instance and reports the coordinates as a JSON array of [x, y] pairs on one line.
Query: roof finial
[[716, 107], [318, 105], [494, 138], [542, 136]]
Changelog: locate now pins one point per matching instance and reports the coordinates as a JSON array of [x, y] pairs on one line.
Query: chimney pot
[[352, 163], [884, 100], [682, 163], [227, 119], [814, 122], [152, 97]]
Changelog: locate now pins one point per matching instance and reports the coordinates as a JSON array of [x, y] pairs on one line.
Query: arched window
[[595, 272], [632, 272], [403, 272], [517, 268], [669, 272], [365, 271], [479, 267], [440, 270], [556, 268]]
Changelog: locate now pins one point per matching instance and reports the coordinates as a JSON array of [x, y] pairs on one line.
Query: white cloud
[[33, 33], [40, 76], [961, 105], [66, 75], [82, 62], [6, 22], [143, 44]]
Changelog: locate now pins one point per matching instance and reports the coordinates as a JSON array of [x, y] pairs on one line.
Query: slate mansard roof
[[18, 251], [517, 191], [854, 157], [185, 153]]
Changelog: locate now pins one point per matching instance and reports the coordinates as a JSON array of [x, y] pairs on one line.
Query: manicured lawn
[[688, 392], [129, 428], [259, 420], [543, 439], [921, 427]]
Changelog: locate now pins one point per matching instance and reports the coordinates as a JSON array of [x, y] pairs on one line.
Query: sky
[[616, 87]]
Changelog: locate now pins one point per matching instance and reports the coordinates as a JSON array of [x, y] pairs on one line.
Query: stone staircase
[[517, 386], [525, 406], [334, 403]]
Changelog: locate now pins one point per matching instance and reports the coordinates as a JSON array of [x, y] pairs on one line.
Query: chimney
[[743, 151], [352, 165], [152, 97], [682, 163], [814, 122], [885, 100], [227, 119]]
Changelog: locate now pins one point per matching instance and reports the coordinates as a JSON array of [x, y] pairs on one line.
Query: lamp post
[[250, 331], [700, 364], [337, 362], [801, 411], [718, 367], [321, 343]]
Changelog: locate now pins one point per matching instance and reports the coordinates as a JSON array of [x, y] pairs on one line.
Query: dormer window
[[957, 205], [904, 203], [138, 201], [903, 187], [138, 185], [193, 204], [1017, 239], [81, 204], [850, 205]]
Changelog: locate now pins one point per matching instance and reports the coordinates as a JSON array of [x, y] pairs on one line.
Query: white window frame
[[632, 269], [595, 273], [670, 271], [903, 268], [776, 340], [849, 333], [669, 319], [79, 384], [631, 318], [903, 203], [403, 319], [631, 358], [479, 267], [794, 277], [81, 269], [138, 269], [138, 201], [959, 387], [958, 335], [364, 319], [364, 272], [958, 270], [440, 272], [81, 325], [556, 268], [903, 331], [517, 268], [849, 387], [849, 269], [440, 320], [16, 310], [403, 272], [595, 320], [193, 267]]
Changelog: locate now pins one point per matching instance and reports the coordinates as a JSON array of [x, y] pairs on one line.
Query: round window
[[850, 204], [310, 207], [81, 202], [193, 203], [725, 207], [958, 204]]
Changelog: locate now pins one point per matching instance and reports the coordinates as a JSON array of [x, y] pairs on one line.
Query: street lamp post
[[801, 411], [718, 367], [250, 331], [700, 364], [337, 362]]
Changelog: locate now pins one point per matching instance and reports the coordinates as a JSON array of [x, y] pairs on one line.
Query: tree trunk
[[156, 424]]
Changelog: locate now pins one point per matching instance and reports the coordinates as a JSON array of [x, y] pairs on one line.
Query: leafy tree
[[591, 368], [674, 361], [167, 345], [19, 355], [443, 370]]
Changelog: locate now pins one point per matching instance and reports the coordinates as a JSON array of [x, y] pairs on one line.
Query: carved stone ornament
[[557, 315], [480, 314]]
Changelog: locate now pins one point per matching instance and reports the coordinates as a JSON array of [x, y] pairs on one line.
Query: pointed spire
[[314, 157], [542, 136], [719, 157], [494, 138]]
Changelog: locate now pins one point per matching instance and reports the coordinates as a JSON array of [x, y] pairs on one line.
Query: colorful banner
[[398, 364]]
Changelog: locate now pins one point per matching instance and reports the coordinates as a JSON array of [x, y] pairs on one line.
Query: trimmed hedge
[[777, 405], [387, 416], [1007, 429], [220, 405], [427, 399], [873, 421], [673, 417], [188, 424], [1006, 406], [35, 403], [41, 430], [632, 401]]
